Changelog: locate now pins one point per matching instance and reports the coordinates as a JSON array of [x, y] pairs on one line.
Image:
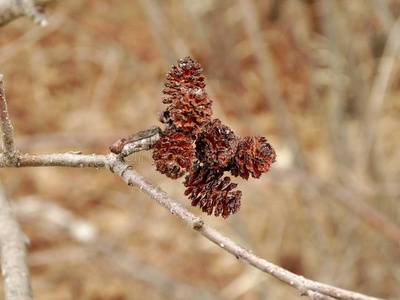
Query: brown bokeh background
[[319, 79]]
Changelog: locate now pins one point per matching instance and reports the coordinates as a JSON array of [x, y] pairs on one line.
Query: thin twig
[[13, 254], [69, 159], [169, 41], [303, 285], [159, 28], [378, 92], [271, 87], [107, 78], [328, 10], [143, 140], [116, 164], [7, 131]]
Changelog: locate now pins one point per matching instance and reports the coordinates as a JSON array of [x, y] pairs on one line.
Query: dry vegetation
[[95, 74]]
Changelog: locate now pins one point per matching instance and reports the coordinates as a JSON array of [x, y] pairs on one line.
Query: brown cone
[[255, 156], [207, 189], [216, 145], [173, 154]]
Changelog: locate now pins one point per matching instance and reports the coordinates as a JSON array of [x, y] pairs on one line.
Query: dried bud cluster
[[205, 148]]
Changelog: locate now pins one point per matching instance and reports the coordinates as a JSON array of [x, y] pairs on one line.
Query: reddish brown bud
[[173, 154], [216, 145], [207, 189], [118, 145], [255, 156]]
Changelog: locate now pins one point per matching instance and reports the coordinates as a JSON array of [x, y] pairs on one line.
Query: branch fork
[[114, 162]]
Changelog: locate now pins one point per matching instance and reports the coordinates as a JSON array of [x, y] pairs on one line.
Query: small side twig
[[380, 85], [7, 131], [13, 254], [143, 140]]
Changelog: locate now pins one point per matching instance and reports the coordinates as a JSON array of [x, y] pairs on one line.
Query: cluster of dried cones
[[193, 142]]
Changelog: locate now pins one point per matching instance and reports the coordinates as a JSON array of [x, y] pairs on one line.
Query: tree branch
[[379, 88], [12, 9], [268, 74], [116, 164], [69, 159], [13, 254], [143, 140]]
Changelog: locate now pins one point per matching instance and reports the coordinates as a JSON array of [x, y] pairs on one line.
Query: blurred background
[[320, 79]]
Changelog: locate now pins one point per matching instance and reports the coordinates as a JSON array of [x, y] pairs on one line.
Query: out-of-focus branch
[[354, 202], [37, 210], [159, 28], [336, 113], [12, 9], [267, 73], [169, 41], [29, 38], [384, 14], [385, 69], [13, 254]]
